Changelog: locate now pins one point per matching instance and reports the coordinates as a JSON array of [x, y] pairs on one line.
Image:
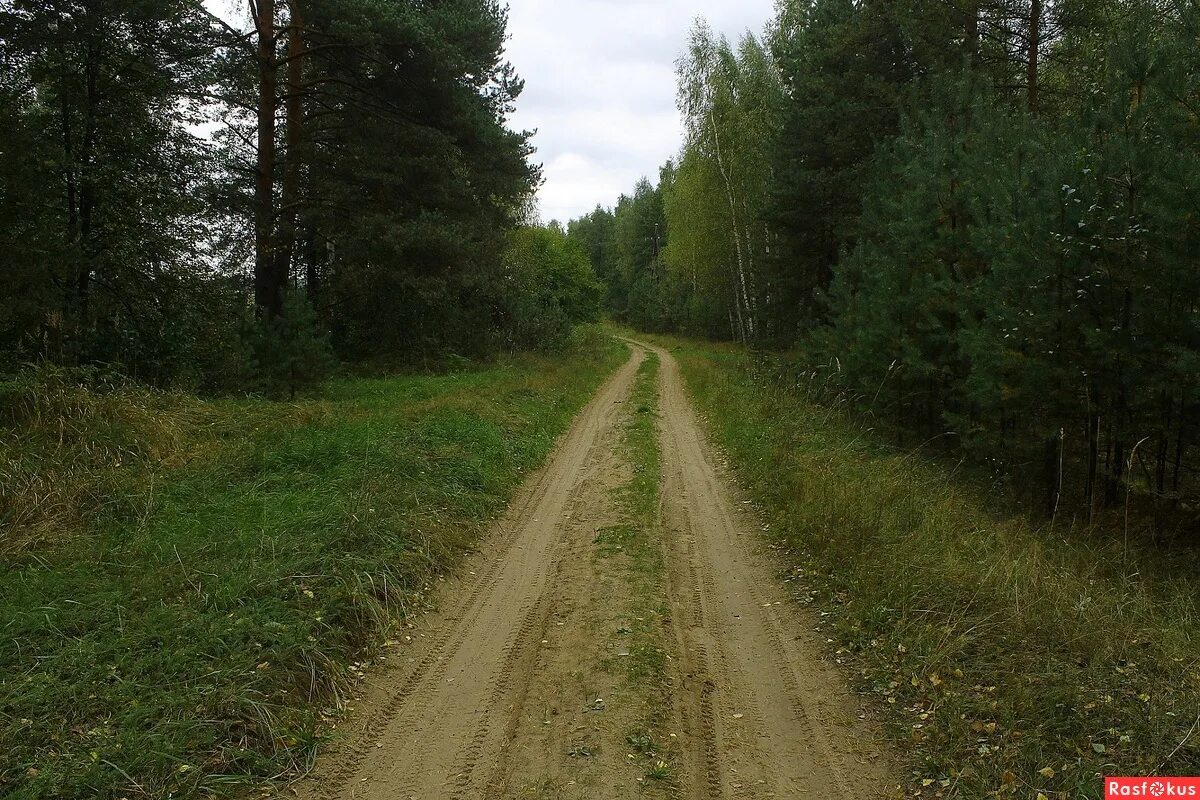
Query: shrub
[[289, 353]]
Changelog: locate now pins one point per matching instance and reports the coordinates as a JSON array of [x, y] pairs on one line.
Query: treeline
[[191, 203], [979, 219]]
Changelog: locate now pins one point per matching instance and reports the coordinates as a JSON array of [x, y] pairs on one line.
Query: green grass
[[636, 546], [1010, 660], [200, 633], [638, 538]]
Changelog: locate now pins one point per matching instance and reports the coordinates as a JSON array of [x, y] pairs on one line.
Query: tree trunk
[[740, 336], [749, 286], [1161, 455], [268, 294], [1093, 458], [314, 258], [86, 197], [1116, 474], [1035, 41], [285, 241], [71, 180], [87, 193], [971, 28], [747, 323], [1178, 463], [1052, 471]]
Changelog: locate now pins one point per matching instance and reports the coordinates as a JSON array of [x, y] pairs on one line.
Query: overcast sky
[[600, 88]]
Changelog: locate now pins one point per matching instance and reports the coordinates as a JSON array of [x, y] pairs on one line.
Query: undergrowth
[[1012, 660], [191, 625]]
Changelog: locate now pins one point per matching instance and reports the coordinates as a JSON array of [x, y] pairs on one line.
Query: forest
[[976, 221], [203, 204], [852, 455]]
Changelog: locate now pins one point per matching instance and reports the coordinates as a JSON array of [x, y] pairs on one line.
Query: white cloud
[[600, 88]]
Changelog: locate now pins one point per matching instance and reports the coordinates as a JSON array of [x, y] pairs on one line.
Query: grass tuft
[[67, 449]]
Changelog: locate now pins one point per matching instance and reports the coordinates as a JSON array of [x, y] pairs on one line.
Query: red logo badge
[[1152, 788]]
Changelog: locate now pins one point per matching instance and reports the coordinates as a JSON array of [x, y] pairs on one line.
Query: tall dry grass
[[72, 444]]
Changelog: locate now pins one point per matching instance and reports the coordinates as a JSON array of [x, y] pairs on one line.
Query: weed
[[580, 751], [72, 443], [642, 742], [659, 771]]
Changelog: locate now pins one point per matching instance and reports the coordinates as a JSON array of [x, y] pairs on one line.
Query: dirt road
[[564, 665]]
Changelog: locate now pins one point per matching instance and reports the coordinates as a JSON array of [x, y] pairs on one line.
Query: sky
[[600, 88]]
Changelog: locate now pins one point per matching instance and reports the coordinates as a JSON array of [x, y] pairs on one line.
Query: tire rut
[[766, 717], [436, 727]]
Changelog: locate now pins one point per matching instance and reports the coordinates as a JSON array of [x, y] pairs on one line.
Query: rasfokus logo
[[1151, 787]]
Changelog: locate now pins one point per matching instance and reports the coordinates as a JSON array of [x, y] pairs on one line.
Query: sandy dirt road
[[509, 690], [766, 716]]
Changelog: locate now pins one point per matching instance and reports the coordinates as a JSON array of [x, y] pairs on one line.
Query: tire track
[[537, 743], [765, 716], [437, 728]]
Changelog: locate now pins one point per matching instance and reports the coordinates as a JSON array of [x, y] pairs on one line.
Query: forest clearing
[[360, 438]]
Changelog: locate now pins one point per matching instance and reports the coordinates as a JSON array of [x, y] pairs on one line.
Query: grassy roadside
[[635, 547], [1011, 661], [190, 638]]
